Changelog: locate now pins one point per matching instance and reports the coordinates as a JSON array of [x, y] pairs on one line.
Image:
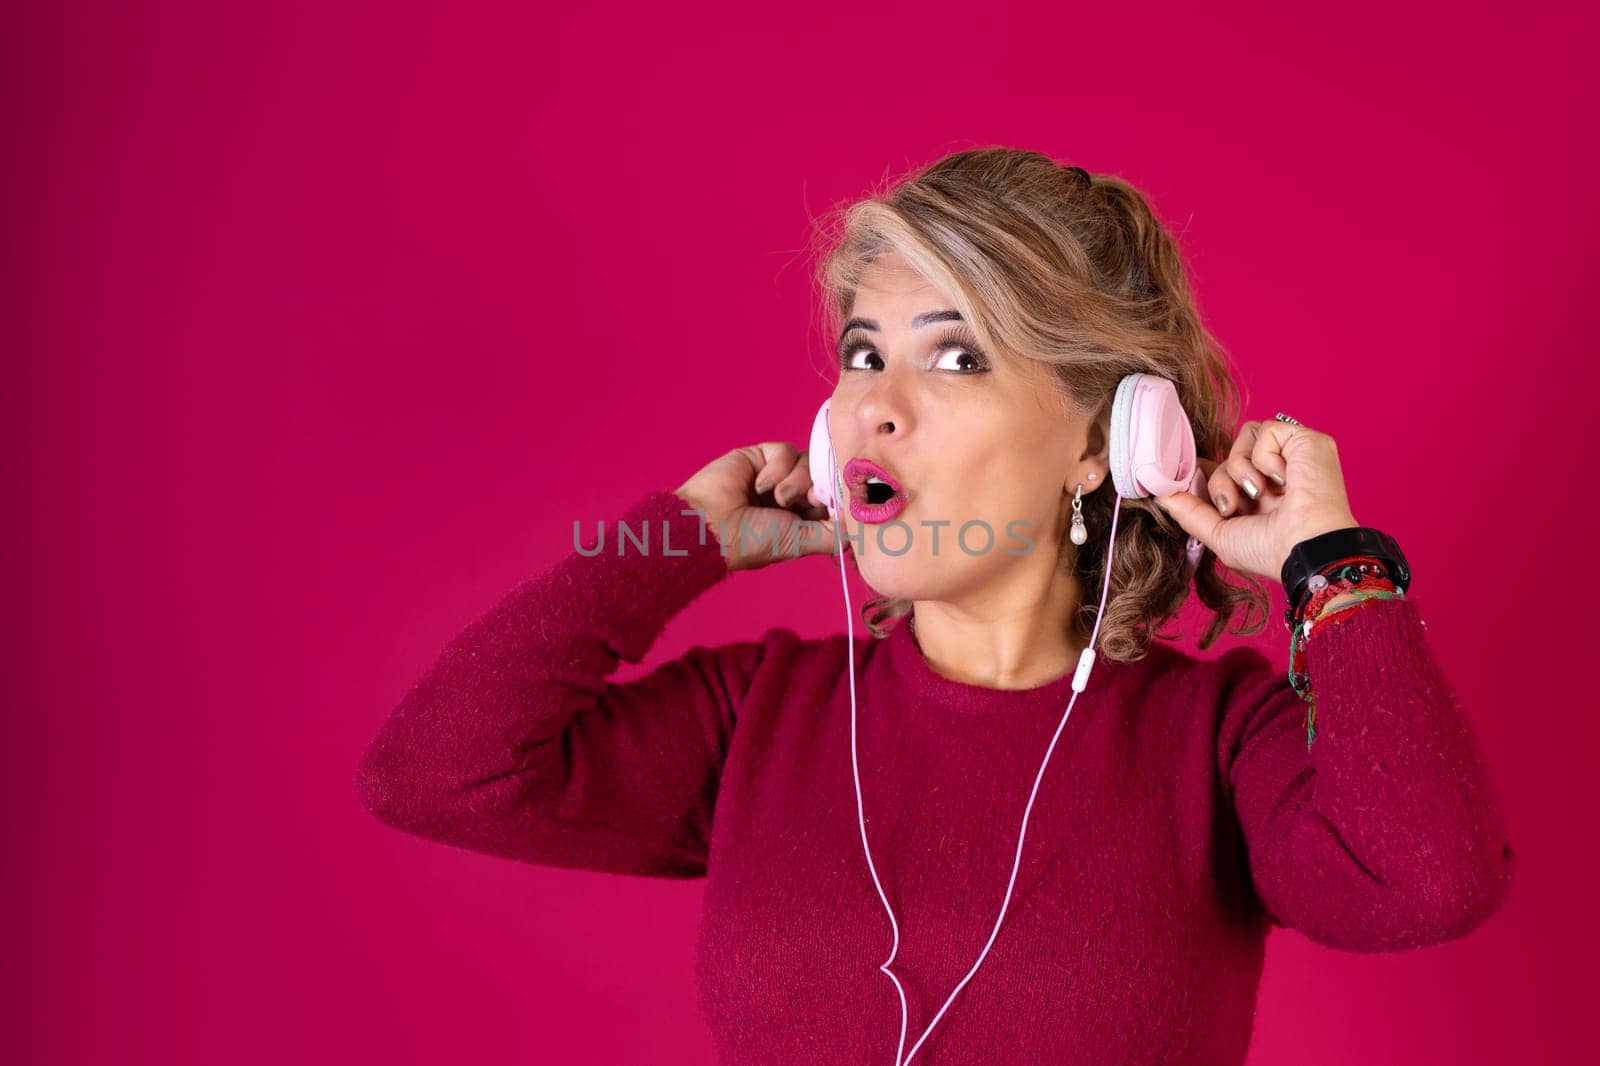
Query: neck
[[1006, 645]]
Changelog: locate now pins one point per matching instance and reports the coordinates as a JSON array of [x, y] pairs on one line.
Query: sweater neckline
[[929, 687]]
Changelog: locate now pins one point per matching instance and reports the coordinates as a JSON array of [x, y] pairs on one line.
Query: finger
[[817, 537], [1220, 489], [1198, 518], [795, 487], [1249, 482], [773, 460], [1267, 454], [1224, 490]]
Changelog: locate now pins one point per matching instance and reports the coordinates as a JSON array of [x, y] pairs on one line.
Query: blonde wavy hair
[[1075, 272]]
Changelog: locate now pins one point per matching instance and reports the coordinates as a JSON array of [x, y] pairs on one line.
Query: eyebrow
[[924, 319]]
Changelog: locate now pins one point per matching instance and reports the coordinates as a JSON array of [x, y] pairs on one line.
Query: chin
[[904, 578], [888, 577]]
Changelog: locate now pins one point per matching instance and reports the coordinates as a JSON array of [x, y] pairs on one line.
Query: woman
[[994, 303]]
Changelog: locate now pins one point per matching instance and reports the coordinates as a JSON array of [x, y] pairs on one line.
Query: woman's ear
[[1097, 446], [1096, 455]]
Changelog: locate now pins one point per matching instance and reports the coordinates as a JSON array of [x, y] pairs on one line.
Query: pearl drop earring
[[1079, 532]]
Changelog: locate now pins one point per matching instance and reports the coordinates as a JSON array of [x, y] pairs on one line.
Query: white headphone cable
[[1079, 681]]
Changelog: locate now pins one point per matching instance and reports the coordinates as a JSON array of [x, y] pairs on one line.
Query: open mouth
[[875, 493], [879, 491]]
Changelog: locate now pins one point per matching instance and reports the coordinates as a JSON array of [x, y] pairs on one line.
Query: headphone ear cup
[[1153, 449], [1121, 415], [1152, 444], [819, 458]]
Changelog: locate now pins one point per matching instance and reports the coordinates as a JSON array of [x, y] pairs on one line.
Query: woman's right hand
[[758, 497]]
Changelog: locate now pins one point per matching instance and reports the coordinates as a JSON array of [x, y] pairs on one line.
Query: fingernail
[[1278, 478], [1250, 487], [762, 486], [1222, 501]]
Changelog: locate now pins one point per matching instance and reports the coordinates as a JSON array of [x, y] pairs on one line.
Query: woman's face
[[971, 436]]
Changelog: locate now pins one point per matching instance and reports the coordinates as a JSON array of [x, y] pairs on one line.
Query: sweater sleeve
[[516, 744], [1387, 833]]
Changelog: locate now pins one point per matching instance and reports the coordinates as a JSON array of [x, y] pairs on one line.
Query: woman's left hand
[[1253, 535]]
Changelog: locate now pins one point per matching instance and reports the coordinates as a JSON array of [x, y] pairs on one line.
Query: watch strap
[[1313, 555]]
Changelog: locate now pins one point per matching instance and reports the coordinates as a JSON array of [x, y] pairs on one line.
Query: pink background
[[322, 326]]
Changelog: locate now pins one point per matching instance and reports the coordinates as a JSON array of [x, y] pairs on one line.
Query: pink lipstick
[[875, 494]]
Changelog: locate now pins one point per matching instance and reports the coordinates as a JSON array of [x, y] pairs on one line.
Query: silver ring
[[1281, 417]]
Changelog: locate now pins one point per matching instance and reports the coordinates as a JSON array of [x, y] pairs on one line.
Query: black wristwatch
[[1310, 556]]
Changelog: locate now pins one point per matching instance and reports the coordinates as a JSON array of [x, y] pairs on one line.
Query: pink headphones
[[1152, 450], [1152, 454]]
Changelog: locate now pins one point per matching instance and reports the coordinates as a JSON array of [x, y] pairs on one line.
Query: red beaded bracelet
[[1362, 576]]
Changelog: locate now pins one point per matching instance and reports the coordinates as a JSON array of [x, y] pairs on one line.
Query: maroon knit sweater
[[1180, 818]]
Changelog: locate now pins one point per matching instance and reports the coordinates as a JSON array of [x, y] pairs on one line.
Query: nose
[[882, 413]]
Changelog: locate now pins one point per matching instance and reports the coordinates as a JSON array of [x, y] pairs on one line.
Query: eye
[[852, 347], [969, 358], [966, 361], [955, 351]]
